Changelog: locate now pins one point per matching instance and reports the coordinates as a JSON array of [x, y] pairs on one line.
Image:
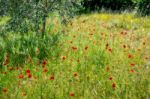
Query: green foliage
[[21, 47], [4, 6], [99, 58], [49, 47], [31, 15], [1, 52], [108, 4], [144, 7]]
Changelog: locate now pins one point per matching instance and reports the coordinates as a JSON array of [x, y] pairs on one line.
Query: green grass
[[3, 20], [101, 56]]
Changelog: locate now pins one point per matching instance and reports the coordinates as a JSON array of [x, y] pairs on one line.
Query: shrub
[[18, 50], [108, 4], [144, 7]]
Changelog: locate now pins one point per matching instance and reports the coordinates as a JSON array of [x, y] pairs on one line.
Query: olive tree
[[3, 7], [32, 14]]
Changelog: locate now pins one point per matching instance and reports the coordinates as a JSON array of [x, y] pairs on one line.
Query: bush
[[144, 7], [19, 50], [108, 4]]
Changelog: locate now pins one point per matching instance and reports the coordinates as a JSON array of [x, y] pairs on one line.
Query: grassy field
[[102, 56]]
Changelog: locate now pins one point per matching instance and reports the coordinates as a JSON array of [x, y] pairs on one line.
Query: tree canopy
[[31, 14]]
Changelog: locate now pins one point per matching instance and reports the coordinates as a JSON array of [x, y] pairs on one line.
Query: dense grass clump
[[18, 49]]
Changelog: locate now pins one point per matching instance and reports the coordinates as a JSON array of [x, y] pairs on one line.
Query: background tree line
[[142, 6]]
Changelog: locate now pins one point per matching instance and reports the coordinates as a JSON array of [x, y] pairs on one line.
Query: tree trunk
[[36, 20], [44, 18], [44, 26]]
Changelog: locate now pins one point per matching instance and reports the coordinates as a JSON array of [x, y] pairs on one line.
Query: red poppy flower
[[86, 47], [17, 68], [110, 49], [45, 70], [78, 61], [110, 78], [132, 64], [124, 46], [107, 46], [52, 77], [130, 56], [114, 85], [74, 48], [29, 75], [132, 71], [5, 90], [28, 71], [64, 58], [44, 63], [24, 93], [21, 76], [123, 33], [91, 34], [72, 94], [75, 74]]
